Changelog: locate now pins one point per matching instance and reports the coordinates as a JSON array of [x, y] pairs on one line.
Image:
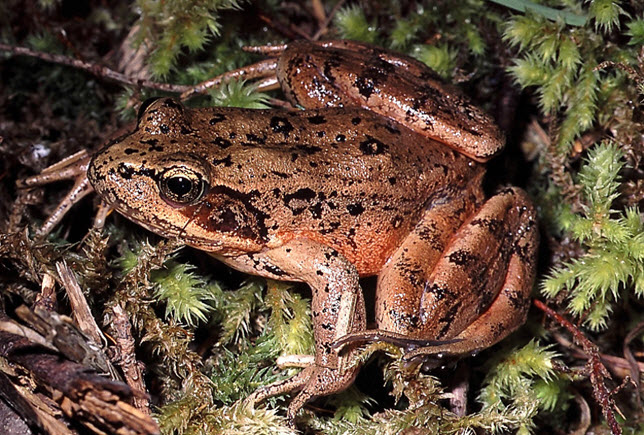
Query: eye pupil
[[180, 186]]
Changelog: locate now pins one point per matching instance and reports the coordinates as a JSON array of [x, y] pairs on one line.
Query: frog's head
[[150, 178]]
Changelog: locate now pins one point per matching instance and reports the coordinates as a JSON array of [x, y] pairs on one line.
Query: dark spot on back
[[217, 118], [372, 146], [355, 209], [281, 125], [316, 120], [280, 174], [303, 194]]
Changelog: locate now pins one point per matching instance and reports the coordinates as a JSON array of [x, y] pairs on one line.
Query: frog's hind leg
[[508, 310], [490, 264], [473, 295]]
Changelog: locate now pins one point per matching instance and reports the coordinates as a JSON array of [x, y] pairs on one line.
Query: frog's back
[[348, 178]]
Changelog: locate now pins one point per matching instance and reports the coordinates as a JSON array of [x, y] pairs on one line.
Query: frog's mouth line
[[164, 229]]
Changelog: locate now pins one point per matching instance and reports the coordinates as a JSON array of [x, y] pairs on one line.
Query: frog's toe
[[321, 381], [293, 383], [402, 341], [314, 381]]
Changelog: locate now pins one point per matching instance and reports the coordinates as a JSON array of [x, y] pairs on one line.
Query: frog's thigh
[[503, 301], [478, 291], [402, 280]]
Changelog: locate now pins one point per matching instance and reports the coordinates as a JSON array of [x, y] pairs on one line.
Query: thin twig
[[122, 330], [632, 362], [80, 308], [97, 70], [325, 26], [596, 369]]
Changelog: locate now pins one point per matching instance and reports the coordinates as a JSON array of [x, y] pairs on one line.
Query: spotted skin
[[348, 73], [350, 187]]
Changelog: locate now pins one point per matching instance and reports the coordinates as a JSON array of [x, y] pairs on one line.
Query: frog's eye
[[181, 186], [147, 103]]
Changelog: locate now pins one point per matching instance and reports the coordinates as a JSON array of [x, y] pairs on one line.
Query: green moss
[[613, 242], [587, 194], [636, 32], [168, 27]]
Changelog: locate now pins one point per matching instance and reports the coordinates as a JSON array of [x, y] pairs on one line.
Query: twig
[[596, 369], [80, 309], [122, 330], [82, 395], [46, 299], [325, 26], [632, 362], [97, 70], [616, 364]]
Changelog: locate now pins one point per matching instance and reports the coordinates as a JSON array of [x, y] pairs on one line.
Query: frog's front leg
[[337, 309], [469, 290], [74, 168]]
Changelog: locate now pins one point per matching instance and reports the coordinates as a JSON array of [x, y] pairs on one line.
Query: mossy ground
[[565, 81]]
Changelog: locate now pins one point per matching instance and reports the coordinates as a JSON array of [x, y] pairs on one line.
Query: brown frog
[[380, 175]]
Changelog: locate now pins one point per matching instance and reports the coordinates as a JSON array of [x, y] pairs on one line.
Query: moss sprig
[[636, 32], [170, 27], [290, 320], [185, 294], [613, 240], [507, 398], [352, 24], [605, 14], [244, 358], [237, 93]]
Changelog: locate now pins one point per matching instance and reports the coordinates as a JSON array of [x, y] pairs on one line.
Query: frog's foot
[[74, 168], [400, 340], [314, 381]]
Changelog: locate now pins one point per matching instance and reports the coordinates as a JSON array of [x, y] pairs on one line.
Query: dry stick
[[616, 363], [594, 365], [97, 70], [632, 362], [132, 371], [80, 308], [325, 26]]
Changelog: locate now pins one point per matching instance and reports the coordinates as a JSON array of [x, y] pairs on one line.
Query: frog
[[380, 174]]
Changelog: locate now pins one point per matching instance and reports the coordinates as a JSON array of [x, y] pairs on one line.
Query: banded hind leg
[[472, 293]]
